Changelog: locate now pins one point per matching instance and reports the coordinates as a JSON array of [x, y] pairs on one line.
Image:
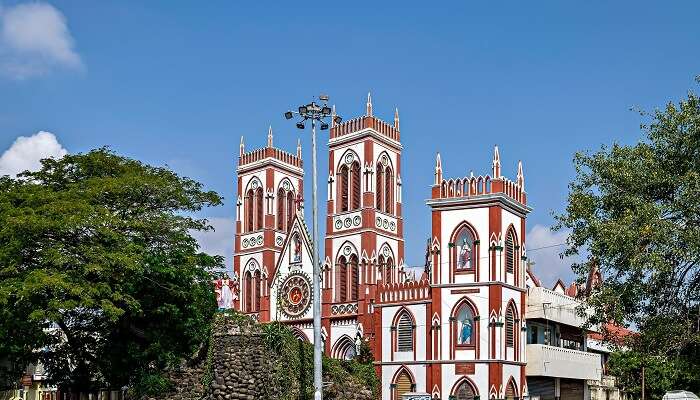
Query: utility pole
[[642, 381], [315, 113]]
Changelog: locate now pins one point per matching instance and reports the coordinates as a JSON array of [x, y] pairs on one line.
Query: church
[[456, 331]]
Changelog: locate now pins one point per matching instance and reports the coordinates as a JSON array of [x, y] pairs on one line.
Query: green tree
[[636, 211], [100, 278]]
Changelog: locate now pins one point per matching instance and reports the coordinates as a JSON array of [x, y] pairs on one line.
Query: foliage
[[97, 266], [661, 373], [151, 384], [636, 210]]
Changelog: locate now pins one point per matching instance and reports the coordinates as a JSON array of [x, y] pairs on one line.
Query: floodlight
[[324, 126], [288, 115], [300, 125], [326, 110], [337, 119], [302, 110]]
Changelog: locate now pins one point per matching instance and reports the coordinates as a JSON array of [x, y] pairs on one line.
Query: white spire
[[521, 177], [438, 169], [333, 116], [241, 148], [269, 136], [369, 104], [496, 163], [299, 148], [396, 119]]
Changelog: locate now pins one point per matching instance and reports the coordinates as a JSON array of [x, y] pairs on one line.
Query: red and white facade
[[457, 331]]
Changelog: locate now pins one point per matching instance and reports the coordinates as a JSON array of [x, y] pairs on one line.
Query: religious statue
[[226, 292], [465, 256], [465, 332], [296, 254]]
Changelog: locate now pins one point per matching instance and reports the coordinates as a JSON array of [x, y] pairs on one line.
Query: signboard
[[415, 396], [464, 369], [26, 380]]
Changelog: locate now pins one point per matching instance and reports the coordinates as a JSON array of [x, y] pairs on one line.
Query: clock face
[[295, 294]]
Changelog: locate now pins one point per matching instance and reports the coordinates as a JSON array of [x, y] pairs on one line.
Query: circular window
[[295, 294]]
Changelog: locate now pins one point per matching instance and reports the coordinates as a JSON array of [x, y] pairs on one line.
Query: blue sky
[[178, 83]]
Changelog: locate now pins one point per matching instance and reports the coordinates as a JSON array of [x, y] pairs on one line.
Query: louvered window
[[353, 270], [510, 328], [249, 211], [342, 278], [280, 209], [256, 291], [379, 187], [464, 392], [404, 333], [389, 191], [290, 209], [510, 391], [259, 209], [403, 384], [356, 189], [344, 188], [510, 253], [248, 304]]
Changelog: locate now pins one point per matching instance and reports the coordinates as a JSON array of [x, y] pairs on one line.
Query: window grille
[[510, 328], [405, 333], [510, 253]]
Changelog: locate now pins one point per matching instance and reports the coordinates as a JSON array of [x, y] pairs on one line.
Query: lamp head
[[324, 126], [300, 125], [337, 119], [288, 115]]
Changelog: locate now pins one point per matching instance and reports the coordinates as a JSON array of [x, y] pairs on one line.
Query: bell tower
[[364, 245], [270, 186]]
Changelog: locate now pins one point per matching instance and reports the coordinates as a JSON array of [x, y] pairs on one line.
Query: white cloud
[[26, 153], [34, 38], [544, 248], [219, 241]]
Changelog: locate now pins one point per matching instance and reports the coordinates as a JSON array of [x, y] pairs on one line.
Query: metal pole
[[318, 377], [643, 382]]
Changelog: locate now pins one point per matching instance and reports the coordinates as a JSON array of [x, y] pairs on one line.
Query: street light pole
[[315, 112]]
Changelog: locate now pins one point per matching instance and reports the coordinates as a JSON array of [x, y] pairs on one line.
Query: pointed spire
[[369, 104], [242, 148], [521, 177], [299, 148], [269, 136], [396, 119], [438, 169], [496, 163]]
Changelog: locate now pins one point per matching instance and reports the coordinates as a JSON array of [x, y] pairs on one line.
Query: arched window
[[256, 291], [354, 275], [466, 330], [344, 348], [389, 191], [465, 254], [281, 208], [248, 288], [342, 275], [381, 264], [403, 384], [379, 187], [259, 211], [344, 177], [510, 251], [249, 211], [464, 391], [511, 391], [290, 209], [356, 186], [404, 333], [389, 273], [510, 327]]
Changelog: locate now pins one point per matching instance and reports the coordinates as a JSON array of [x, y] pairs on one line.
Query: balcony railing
[[543, 360], [550, 305]]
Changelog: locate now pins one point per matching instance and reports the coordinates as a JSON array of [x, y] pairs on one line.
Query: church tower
[[364, 245], [270, 189]]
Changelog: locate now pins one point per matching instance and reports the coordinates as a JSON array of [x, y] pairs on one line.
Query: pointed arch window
[[379, 187], [256, 291], [510, 251], [402, 385], [353, 277], [281, 209], [510, 327], [389, 191], [344, 348], [356, 186], [389, 272], [248, 288], [466, 326], [464, 391], [464, 250], [511, 391], [259, 211], [341, 273], [344, 178], [249, 211], [291, 209], [404, 332]]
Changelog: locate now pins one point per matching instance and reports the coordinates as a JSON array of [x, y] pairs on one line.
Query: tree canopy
[[635, 209], [100, 278]]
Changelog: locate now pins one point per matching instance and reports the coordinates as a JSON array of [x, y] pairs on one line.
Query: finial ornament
[[299, 148], [396, 119], [369, 104], [496, 163], [521, 177], [269, 136], [438, 169], [333, 116], [242, 147]]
